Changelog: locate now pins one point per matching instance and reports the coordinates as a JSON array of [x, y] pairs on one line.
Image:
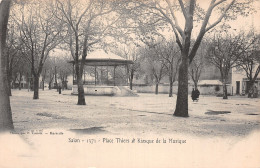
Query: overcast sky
[[241, 23]]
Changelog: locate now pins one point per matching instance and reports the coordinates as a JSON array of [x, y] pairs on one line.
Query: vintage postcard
[[129, 83]]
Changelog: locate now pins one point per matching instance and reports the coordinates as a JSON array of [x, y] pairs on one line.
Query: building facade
[[240, 82]]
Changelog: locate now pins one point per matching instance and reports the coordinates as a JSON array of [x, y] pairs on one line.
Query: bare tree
[[153, 65], [165, 53], [12, 51], [49, 67], [56, 69], [40, 32], [6, 121], [131, 53], [249, 60], [43, 74], [197, 64], [169, 52], [17, 65], [224, 52], [166, 11], [19, 70], [51, 77], [64, 70], [86, 27]]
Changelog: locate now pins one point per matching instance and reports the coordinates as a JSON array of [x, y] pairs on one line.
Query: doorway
[[237, 87]]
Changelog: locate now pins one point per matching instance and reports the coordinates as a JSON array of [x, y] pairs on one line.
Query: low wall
[[151, 89], [105, 91], [96, 90], [214, 90], [204, 90]]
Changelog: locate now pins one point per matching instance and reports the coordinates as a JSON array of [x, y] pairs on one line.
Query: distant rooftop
[[209, 82]]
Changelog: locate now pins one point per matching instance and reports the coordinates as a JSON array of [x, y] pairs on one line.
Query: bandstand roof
[[102, 58]]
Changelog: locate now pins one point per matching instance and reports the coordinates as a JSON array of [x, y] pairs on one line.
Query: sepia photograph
[[129, 83]]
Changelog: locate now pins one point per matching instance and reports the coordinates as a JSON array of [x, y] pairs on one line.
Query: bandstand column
[[95, 75], [114, 75], [84, 75], [73, 73], [126, 69], [107, 76]]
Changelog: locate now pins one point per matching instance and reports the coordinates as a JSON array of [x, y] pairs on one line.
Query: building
[[99, 74], [240, 81]]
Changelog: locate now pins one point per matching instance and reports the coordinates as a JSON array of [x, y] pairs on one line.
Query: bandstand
[[100, 76]]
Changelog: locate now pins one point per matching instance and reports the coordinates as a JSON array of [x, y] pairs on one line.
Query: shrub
[[217, 88]]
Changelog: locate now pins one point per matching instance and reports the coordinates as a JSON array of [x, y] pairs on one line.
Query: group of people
[[195, 94]]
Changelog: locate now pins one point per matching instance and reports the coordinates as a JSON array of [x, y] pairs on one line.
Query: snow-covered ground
[[81, 136], [146, 114]]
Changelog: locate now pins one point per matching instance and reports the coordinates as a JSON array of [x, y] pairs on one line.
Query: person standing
[[193, 96], [197, 94]]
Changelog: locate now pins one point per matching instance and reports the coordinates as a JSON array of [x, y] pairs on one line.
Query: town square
[[129, 83]]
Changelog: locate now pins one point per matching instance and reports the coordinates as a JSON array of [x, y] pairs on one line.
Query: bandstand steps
[[124, 91]]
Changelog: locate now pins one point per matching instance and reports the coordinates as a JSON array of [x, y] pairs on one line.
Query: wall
[[97, 90], [204, 90]]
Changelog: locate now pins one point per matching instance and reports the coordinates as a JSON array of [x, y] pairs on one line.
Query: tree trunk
[[65, 83], [251, 89], [9, 85], [156, 88], [42, 84], [49, 85], [131, 80], [81, 96], [6, 122], [181, 109], [50, 81], [9, 81], [20, 80], [170, 91], [28, 82], [56, 83], [9, 73], [36, 87], [31, 84], [131, 84], [196, 85], [225, 96], [20, 84]]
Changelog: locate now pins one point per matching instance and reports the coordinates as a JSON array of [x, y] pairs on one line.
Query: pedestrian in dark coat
[[193, 97], [195, 94]]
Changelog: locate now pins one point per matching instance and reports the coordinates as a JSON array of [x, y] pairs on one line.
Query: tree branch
[[222, 16], [182, 8]]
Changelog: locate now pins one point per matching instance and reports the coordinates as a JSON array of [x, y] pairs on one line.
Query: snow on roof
[[190, 82], [102, 58], [101, 54], [210, 82]]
